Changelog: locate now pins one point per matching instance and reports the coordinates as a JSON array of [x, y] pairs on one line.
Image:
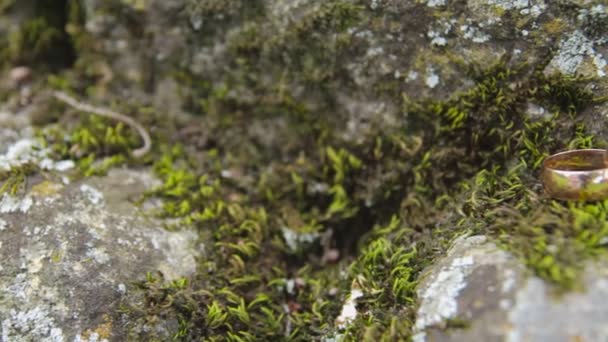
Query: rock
[[490, 292], [71, 250], [19, 75], [173, 54], [388, 48]]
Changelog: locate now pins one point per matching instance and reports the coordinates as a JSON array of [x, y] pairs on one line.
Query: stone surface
[[408, 42], [491, 292], [174, 54], [71, 250]]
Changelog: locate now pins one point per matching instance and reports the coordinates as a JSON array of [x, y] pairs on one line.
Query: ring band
[[576, 175]]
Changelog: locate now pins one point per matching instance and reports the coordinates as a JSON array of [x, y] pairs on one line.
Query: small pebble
[[20, 75], [293, 306], [332, 255]]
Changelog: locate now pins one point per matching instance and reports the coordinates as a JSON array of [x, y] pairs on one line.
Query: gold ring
[[576, 175]]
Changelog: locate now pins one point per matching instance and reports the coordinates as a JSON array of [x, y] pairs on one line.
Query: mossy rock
[[328, 148]]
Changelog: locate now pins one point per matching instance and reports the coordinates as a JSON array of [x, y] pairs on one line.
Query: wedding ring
[[576, 175]]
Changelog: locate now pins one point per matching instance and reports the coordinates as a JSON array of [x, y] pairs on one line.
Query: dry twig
[[107, 113]]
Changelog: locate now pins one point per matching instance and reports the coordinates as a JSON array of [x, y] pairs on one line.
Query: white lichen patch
[[3, 225], [474, 34], [436, 3], [439, 300], [295, 240], [572, 52], [436, 38], [177, 249], [28, 150], [92, 337], [62, 165], [524, 6], [349, 309], [537, 112], [99, 255], [93, 195], [419, 337], [411, 76], [432, 79], [439, 31], [35, 322], [13, 204]]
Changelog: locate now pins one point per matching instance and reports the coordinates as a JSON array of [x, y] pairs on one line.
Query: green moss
[[389, 205], [95, 144], [15, 179], [553, 238], [465, 165]]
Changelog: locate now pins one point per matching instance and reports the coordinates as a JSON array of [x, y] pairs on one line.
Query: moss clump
[[467, 164], [291, 225], [464, 165], [15, 179], [291, 228], [95, 144], [553, 238], [247, 290]]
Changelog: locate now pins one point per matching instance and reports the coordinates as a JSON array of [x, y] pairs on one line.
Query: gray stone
[[70, 251], [412, 48], [492, 292]]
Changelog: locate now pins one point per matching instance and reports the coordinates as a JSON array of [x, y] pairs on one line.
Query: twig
[[107, 113]]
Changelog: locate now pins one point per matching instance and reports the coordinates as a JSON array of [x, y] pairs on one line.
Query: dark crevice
[[42, 37]]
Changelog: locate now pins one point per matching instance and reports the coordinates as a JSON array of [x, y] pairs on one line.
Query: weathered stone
[[71, 250], [477, 29], [490, 292]]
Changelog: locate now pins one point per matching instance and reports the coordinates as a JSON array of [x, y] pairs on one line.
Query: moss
[[388, 206], [245, 298], [95, 144], [468, 164], [14, 180], [552, 238]]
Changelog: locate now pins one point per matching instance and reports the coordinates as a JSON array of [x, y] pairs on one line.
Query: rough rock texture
[[411, 46], [490, 293], [350, 59], [71, 250]]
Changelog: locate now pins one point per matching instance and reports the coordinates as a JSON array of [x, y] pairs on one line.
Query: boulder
[[71, 251], [479, 292]]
